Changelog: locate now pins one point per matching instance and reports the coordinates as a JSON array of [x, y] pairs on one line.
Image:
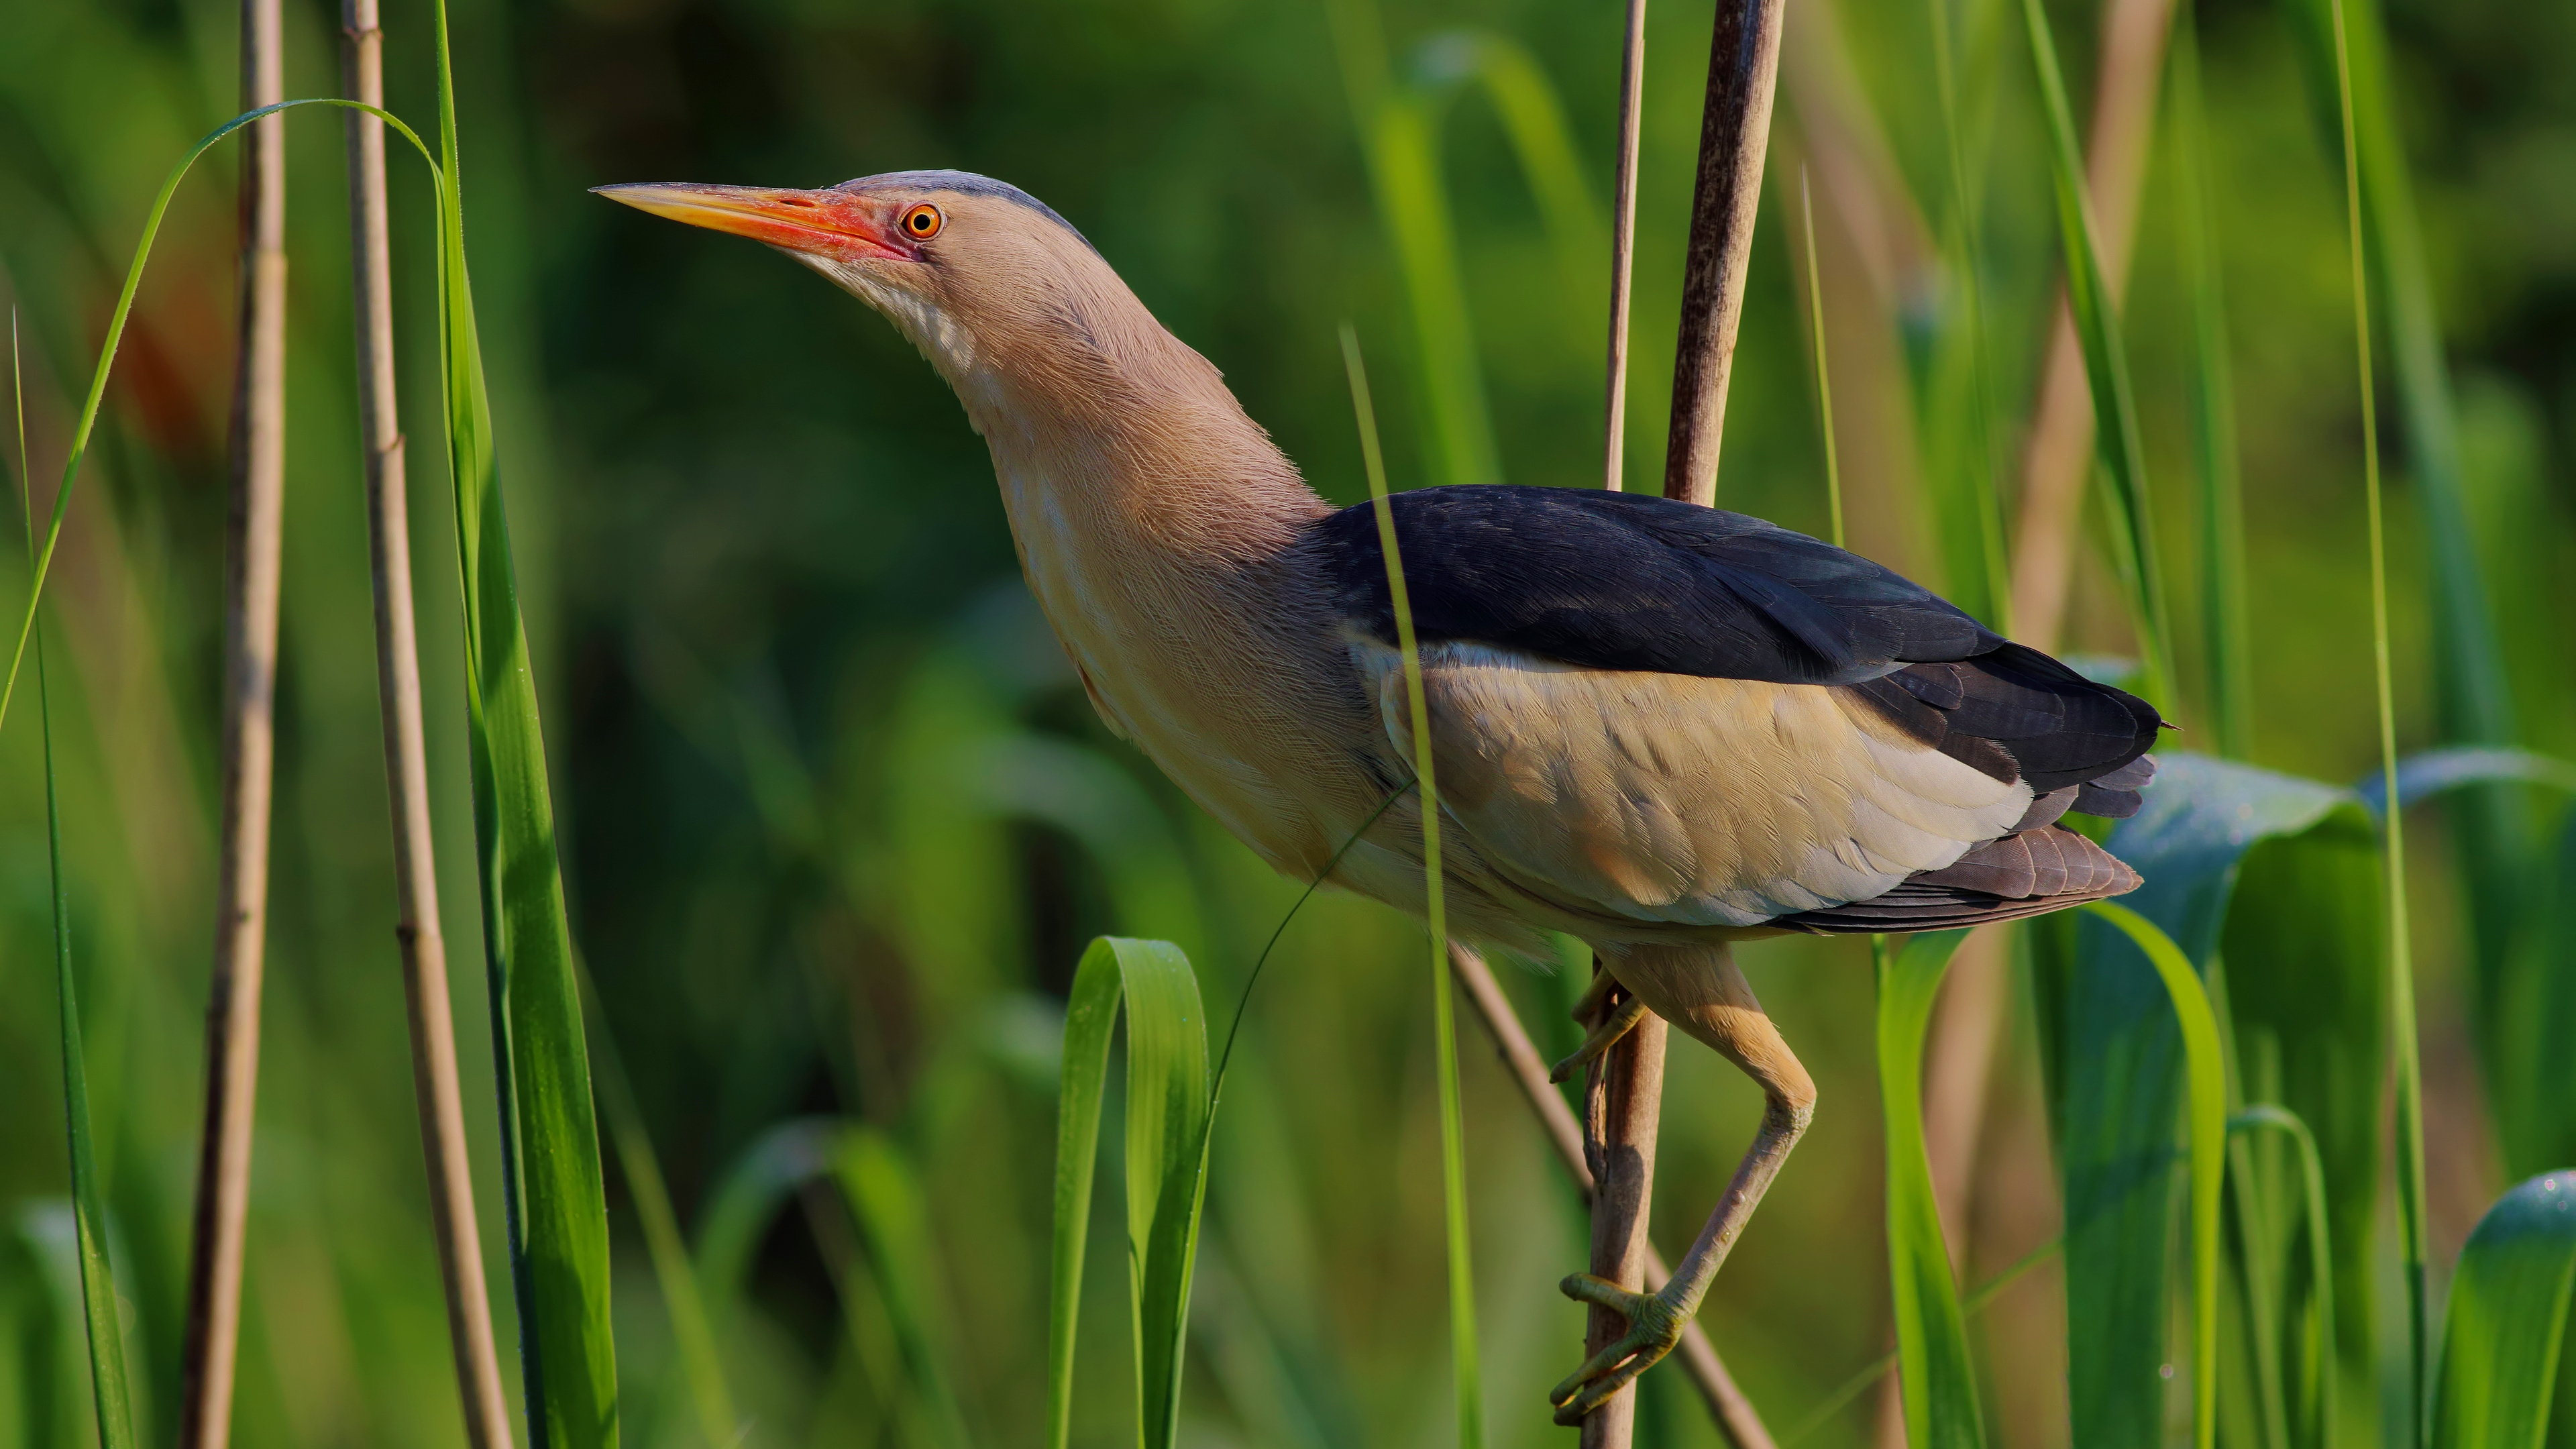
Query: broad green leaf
[[555, 1200], [2115, 1050], [2117, 439], [1166, 1151], [2435, 772], [2508, 1320], [1939, 1376]]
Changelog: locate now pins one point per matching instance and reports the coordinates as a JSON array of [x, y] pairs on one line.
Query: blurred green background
[[837, 820]]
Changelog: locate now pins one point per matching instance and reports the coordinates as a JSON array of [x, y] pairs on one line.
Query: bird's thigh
[[1698, 989]]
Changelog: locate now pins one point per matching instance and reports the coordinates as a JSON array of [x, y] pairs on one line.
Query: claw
[[1622, 1019], [1654, 1326]]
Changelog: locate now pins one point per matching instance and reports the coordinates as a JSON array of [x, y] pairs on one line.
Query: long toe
[[1654, 1326]]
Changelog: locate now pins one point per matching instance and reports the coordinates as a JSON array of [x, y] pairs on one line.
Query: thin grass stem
[[254, 546], [2401, 969], [448, 1168], [1453, 1148], [1877, 1368], [1623, 241], [1824, 373], [2226, 630], [1995, 575]]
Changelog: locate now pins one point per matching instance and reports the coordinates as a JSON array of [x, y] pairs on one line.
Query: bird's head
[[994, 288]]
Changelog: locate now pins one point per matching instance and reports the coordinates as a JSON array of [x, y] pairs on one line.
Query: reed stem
[[449, 1171], [1623, 242], [253, 529], [1734, 1414]]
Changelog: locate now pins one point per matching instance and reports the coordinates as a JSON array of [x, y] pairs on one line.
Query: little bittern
[[1659, 727]]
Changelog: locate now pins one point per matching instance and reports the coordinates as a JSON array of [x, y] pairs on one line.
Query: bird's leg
[[1610, 1011], [1701, 991]]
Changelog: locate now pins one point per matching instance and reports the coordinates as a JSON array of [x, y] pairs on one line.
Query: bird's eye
[[921, 222]]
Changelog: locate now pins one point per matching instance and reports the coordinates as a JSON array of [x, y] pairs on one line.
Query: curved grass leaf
[[1166, 1151], [2508, 1320], [2423, 776], [2117, 1056], [2205, 1116], [110, 1393], [2117, 438], [2317, 1398], [1939, 1377], [884, 1197]]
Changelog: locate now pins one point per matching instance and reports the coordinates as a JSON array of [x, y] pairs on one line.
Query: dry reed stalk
[[1623, 241], [1623, 1097], [2058, 457], [424, 952], [1733, 1412], [1735, 131], [252, 543]]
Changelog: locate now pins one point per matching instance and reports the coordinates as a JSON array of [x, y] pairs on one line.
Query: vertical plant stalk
[[1734, 1414], [1464, 1359], [2058, 456], [1623, 242], [1824, 372], [253, 528], [416, 930], [2401, 967], [1966, 259], [1735, 131], [1623, 1098]]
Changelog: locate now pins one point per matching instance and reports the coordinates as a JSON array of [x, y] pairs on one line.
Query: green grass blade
[[552, 1187], [1824, 373], [2401, 969], [2205, 1113], [2117, 438], [1166, 1148], [111, 1394], [1091, 1013], [1533, 120], [884, 1198], [2420, 777], [1464, 1359], [2318, 1210], [2508, 1320], [2226, 629], [1939, 1377], [702, 1367]]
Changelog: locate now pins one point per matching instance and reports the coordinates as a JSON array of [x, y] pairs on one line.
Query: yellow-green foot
[[1622, 1019], [1654, 1326]]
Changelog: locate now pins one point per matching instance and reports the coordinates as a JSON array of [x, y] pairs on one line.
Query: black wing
[[1636, 582]]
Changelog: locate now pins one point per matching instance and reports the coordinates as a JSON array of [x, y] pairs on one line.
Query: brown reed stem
[[1734, 1414], [252, 545], [1735, 131], [449, 1171]]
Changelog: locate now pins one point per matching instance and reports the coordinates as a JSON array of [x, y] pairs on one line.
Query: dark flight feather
[[1632, 581]]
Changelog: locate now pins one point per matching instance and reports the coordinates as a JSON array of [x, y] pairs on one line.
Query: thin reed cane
[[424, 952], [1619, 1146], [253, 528], [1623, 242]]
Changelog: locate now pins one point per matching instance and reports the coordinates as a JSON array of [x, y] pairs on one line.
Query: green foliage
[[1938, 1376], [555, 1199], [2118, 440], [1166, 1146], [2508, 1320]]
